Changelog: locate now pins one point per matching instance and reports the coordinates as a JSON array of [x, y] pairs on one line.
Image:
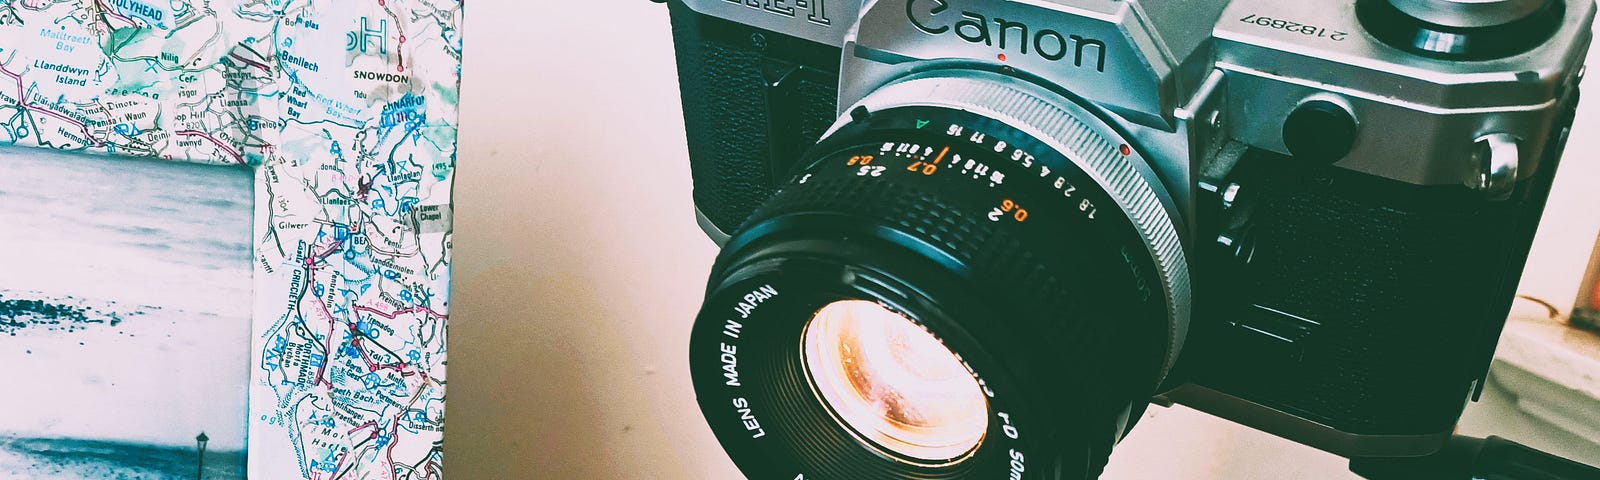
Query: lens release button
[[1320, 131]]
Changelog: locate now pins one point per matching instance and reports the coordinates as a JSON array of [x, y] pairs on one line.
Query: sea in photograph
[[125, 300], [58, 459]]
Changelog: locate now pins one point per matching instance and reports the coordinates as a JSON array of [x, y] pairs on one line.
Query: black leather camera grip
[[753, 102], [1364, 299]]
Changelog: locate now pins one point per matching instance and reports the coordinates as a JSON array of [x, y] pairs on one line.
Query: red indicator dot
[[380, 3], [400, 68], [1126, 150], [402, 39], [1002, 57]]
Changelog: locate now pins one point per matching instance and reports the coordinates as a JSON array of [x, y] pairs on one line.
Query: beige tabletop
[[579, 267]]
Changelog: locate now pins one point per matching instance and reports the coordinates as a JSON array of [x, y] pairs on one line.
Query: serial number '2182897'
[[1300, 28]]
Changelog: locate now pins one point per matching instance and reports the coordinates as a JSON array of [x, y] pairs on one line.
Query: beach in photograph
[[125, 300]]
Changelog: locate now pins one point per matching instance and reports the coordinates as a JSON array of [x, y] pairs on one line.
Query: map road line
[[23, 101], [231, 152]]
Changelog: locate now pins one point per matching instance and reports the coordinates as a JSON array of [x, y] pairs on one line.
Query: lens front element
[[893, 383]]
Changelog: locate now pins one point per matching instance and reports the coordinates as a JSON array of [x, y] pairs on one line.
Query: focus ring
[[1060, 123]]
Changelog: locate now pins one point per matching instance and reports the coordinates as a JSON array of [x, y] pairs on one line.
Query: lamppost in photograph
[[200, 466]]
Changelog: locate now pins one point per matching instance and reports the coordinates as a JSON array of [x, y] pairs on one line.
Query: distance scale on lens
[[1009, 259]]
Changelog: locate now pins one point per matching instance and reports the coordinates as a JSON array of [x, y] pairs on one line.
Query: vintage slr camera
[[975, 239]]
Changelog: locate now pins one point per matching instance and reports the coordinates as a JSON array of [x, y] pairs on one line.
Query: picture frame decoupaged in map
[[227, 232]]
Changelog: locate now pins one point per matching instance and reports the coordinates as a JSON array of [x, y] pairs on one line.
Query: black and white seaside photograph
[[125, 300]]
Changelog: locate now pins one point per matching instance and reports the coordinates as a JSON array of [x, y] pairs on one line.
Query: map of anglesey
[[347, 111]]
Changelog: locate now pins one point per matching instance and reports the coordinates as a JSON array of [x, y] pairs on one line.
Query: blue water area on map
[[69, 459]]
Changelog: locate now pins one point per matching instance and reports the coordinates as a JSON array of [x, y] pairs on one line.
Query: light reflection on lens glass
[[894, 383]]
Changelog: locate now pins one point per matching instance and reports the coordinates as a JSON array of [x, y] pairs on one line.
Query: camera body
[[1354, 183]]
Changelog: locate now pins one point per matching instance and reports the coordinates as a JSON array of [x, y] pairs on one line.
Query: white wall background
[[580, 267]]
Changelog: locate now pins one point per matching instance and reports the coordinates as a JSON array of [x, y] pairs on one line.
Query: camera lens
[[971, 277], [893, 383]]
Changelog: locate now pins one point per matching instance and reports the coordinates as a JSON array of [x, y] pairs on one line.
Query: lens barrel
[[1028, 243]]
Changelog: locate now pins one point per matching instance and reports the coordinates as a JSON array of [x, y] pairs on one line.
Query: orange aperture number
[[928, 168]]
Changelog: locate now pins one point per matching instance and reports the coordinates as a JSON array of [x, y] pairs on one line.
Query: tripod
[[1470, 458]]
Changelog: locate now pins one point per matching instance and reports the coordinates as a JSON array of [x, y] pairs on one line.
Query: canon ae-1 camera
[[975, 239]]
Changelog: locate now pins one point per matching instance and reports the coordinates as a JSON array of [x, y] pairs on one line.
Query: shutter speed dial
[[1462, 29], [1469, 13]]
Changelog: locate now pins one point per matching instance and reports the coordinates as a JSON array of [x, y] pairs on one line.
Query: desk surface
[[575, 282]]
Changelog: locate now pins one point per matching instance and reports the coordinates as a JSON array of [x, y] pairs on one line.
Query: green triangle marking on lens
[[922, 123]]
